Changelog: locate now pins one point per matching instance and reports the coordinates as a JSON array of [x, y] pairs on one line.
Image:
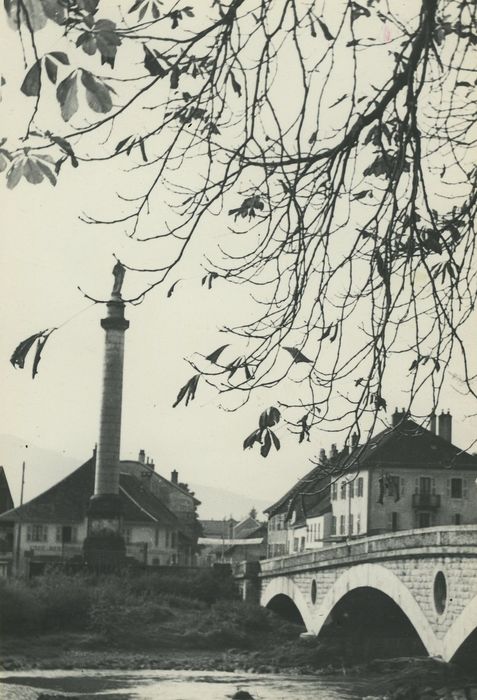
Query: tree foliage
[[348, 193]]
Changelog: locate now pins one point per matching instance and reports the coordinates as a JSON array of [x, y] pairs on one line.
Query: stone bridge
[[430, 574]]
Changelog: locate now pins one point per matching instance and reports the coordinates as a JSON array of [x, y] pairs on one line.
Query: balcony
[[426, 500]]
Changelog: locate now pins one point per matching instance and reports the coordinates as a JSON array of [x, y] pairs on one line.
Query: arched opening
[[284, 606], [367, 624], [467, 653]]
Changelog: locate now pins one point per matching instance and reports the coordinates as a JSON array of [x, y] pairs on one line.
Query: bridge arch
[[282, 585], [382, 579], [460, 630]]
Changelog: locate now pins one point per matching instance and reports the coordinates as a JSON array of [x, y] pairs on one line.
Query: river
[[175, 685]]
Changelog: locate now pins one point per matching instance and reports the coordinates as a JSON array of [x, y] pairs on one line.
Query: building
[[403, 478], [302, 517], [106, 500], [229, 540], [158, 520]]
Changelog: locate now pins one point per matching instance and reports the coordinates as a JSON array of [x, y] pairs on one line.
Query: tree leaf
[[39, 349], [60, 56], [151, 63], [235, 84], [275, 440], [31, 82], [326, 32], [269, 417], [214, 356], [15, 173], [297, 355], [252, 439], [51, 69], [67, 96], [98, 95], [187, 392], [21, 351], [266, 444]]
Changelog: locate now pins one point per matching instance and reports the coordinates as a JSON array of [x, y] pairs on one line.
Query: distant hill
[[220, 503], [46, 467]]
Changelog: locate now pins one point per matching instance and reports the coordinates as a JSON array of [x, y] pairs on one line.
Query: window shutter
[[58, 533], [449, 488], [416, 488], [464, 488], [433, 485]]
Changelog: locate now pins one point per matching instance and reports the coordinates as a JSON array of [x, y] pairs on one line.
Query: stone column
[[105, 511]]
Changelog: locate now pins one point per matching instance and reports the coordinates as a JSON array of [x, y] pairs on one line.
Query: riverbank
[[197, 623], [405, 678]]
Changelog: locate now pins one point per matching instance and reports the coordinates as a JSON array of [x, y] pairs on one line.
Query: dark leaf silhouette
[[187, 392], [20, 353], [252, 439], [275, 440], [297, 355], [269, 417], [31, 83], [214, 356], [326, 32], [305, 429], [235, 84], [266, 444]]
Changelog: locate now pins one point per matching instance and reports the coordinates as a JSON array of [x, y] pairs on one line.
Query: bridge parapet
[[423, 542]]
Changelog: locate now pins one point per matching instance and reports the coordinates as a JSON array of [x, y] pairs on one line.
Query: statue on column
[[118, 272]]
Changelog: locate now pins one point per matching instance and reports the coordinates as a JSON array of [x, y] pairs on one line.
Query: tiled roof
[[6, 500], [68, 500], [139, 504], [218, 528], [407, 445]]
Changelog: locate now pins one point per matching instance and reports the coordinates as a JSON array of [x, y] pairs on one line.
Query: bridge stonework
[[431, 574]]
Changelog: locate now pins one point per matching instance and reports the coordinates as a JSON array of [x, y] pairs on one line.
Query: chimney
[[432, 423], [322, 455], [333, 451], [105, 503], [354, 440], [445, 426], [345, 450], [398, 417], [141, 457], [174, 476]]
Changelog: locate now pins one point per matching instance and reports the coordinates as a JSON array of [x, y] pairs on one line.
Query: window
[[173, 539], [394, 521], [358, 523], [333, 525], [457, 519], [318, 533], [302, 547], [351, 489], [456, 488], [359, 485], [351, 523], [156, 537], [424, 519], [295, 544], [343, 489], [342, 524], [167, 538], [334, 491], [37, 533], [425, 484], [66, 534], [127, 535]]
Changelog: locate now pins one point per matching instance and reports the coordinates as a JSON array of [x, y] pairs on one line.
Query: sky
[[46, 252]]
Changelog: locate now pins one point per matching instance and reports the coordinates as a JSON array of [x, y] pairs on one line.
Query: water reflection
[[172, 685]]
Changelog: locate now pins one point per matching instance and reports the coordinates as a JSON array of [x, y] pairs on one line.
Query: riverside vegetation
[[188, 620]]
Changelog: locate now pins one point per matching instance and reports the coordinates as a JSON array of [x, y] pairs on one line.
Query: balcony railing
[[426, 500]]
